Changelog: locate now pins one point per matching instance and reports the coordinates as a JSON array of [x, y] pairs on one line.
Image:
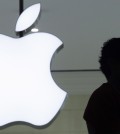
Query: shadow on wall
[[29, 124]]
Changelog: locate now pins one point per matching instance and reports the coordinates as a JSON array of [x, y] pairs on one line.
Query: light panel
[[27, 90]]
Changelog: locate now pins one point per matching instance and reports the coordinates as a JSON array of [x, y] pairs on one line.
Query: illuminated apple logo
[[28, 92]]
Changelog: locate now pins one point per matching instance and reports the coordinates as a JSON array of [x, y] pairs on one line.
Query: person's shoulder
[[97, 102], [101, 93], [103, 90]]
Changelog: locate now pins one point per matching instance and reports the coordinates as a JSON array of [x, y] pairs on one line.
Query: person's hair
[[110, 50]]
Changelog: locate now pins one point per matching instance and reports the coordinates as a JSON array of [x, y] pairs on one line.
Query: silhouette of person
[[102, 114]]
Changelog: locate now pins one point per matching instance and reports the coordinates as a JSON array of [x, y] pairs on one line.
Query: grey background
[[83, 26]]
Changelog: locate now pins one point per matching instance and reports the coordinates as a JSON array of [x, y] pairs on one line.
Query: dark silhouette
[[102, 114]]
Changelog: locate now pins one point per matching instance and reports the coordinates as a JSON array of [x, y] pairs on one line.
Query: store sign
[[28, 92]]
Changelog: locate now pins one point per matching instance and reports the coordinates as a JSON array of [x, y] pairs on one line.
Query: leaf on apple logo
[[28, 17]]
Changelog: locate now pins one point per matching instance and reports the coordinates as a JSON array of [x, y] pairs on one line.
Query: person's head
[[110, 59]]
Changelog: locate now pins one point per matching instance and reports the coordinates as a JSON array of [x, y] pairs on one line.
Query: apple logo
[[28, 92]]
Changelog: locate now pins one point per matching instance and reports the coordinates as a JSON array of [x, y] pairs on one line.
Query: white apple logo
[[27, 91]]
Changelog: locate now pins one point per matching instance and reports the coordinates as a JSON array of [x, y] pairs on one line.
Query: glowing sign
[[28, 92]]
